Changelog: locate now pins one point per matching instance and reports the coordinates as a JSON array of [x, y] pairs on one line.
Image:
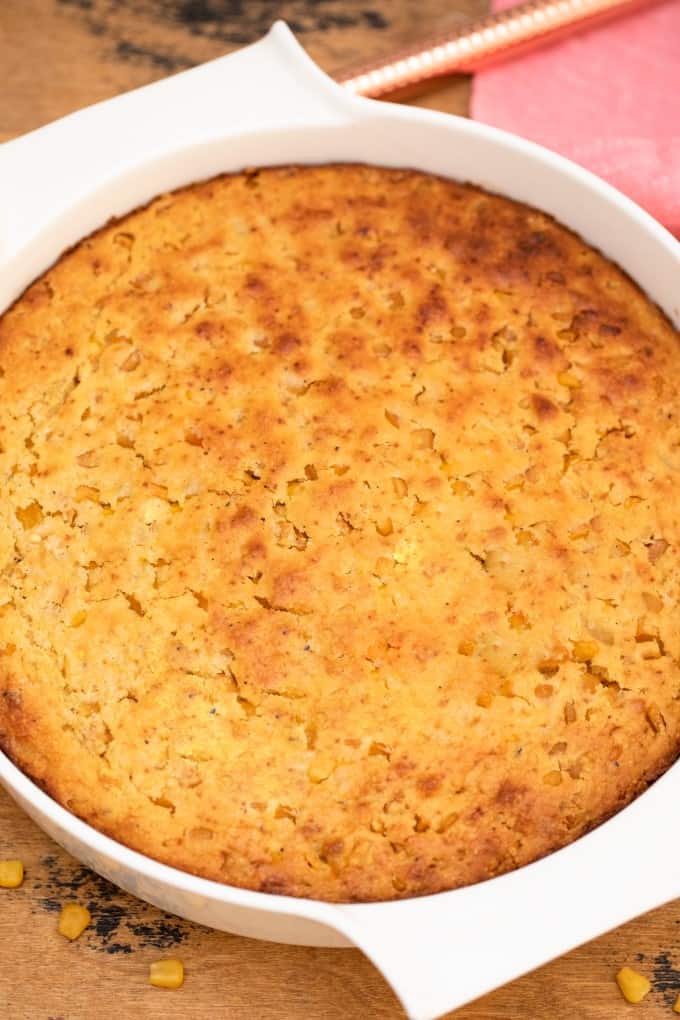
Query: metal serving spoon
[[478, 44]]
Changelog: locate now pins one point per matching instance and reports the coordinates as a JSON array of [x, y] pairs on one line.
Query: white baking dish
[[269, 104]]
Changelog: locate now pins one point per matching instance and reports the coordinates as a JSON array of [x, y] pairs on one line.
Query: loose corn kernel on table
[[58, 55]]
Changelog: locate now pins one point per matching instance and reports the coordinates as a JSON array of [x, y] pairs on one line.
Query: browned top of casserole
[[339, 539]]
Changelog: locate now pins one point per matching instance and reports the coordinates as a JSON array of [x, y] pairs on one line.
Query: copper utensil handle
[[471, 46]]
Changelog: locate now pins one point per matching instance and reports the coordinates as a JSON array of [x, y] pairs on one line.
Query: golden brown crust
[[338, 542]]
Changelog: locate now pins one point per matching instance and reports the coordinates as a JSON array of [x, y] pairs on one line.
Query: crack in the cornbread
[[338, 542]]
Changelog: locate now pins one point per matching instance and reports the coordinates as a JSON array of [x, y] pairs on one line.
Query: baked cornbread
[[339, 541]]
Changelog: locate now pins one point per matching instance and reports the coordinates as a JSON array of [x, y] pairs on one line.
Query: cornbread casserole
[[339, 544]]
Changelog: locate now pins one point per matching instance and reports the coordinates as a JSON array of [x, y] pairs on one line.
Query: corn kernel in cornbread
[[339, 544]]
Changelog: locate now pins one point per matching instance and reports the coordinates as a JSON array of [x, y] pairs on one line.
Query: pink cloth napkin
[[608, 98]]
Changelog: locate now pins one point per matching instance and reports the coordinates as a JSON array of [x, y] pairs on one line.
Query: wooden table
[[56, 56]]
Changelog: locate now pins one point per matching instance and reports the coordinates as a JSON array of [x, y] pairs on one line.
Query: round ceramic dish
[[270, 104]]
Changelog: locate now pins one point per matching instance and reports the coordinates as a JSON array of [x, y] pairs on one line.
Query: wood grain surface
[[56, 56]]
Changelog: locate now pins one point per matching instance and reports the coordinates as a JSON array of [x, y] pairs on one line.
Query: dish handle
[[58, 170], [440, 952]]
